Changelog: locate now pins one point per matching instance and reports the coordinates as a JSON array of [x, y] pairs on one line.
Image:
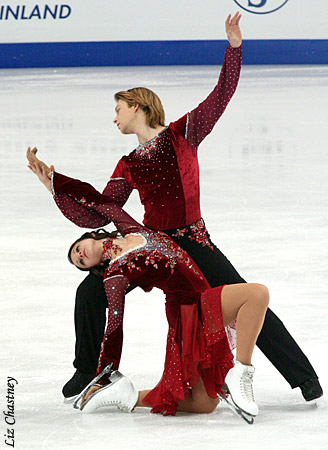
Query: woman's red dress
[[198, 345]]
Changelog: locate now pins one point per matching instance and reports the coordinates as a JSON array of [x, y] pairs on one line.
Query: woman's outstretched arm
[[80, 202], [118, 188], [111, 347]]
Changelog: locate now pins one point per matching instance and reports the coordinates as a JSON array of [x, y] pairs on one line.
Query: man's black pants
[[274, 340]]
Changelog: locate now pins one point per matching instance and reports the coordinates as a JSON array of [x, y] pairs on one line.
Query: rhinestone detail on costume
[[148, 150], [197, 232], [158, 247], [84, 202], [108, 247]]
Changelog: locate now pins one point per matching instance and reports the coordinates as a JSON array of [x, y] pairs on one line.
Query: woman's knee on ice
[[202, 402], [206, 406]]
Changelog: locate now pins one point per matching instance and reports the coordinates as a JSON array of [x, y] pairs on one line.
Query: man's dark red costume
[[165, 172]]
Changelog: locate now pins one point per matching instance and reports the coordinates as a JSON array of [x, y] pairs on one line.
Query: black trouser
[[274, 340]]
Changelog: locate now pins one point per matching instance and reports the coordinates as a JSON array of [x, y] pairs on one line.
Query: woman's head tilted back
[[148, 101], [86, 254]]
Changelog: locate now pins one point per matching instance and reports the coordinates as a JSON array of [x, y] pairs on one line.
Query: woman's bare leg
[[142, 395], [247, 304], [197, 402]]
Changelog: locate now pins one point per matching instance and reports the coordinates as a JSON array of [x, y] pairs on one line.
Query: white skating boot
[[239, 381], [120, 392]]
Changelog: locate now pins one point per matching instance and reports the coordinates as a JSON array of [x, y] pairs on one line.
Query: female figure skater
[[198, 356]]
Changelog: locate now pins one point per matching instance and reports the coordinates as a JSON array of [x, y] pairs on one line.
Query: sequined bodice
[[154, 263]]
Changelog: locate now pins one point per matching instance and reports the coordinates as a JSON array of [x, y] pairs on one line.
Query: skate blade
[[319, 403], [248, 418], [69, 400]]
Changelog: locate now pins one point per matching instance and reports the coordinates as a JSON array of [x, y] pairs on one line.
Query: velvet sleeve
[[120, 185], [197, 124], [83, 205], [111, 347]]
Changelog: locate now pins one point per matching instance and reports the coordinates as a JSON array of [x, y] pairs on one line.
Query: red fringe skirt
[[198, 347]]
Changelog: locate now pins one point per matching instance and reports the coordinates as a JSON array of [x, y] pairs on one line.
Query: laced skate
[[239, 383], [120, 393]]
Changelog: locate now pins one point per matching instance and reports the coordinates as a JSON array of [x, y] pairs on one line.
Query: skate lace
[[116, 403], [246, 386]]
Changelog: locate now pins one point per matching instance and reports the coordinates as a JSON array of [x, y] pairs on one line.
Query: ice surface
[[264, 198]]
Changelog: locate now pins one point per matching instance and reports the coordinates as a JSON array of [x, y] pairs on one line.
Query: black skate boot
[[311, 389], [75, 385]]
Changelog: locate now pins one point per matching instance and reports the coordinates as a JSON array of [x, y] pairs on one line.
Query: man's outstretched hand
[[233, 30]]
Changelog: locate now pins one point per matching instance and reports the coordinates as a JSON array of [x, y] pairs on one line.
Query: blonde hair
[[148, 101]]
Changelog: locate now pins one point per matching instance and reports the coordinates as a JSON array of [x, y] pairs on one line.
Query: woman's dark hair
[[96, 235]]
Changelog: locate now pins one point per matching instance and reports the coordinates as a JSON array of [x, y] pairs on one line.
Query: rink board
[[150, 53], [38, 33]]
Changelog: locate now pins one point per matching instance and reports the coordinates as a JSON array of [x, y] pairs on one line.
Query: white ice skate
[[239, 382], [120, 393]]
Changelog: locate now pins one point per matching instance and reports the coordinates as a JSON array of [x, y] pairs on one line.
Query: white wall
[[108, 20]]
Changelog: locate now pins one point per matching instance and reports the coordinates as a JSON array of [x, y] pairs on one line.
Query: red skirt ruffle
[[198, 347]]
